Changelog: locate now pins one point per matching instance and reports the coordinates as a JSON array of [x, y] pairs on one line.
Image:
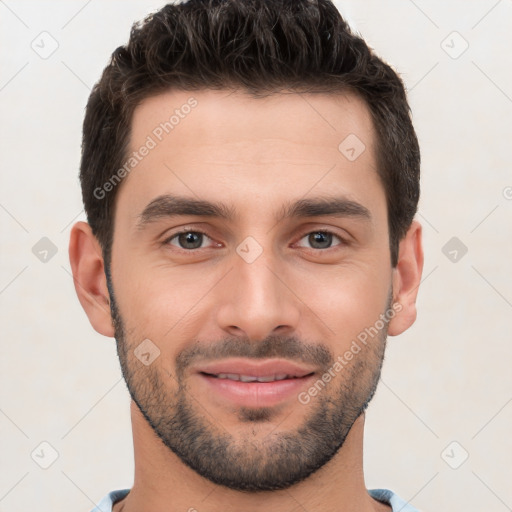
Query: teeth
[[250, 378], [245, 378], [270, 378]]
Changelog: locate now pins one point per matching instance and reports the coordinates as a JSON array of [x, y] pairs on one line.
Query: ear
[[89, 277], [406, 280]]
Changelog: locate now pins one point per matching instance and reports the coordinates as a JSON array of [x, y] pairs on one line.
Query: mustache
[[274, 346]]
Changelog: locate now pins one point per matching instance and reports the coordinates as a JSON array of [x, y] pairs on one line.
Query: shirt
[[383, 495]]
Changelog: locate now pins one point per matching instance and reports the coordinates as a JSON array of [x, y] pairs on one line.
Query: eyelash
[[198, 231]]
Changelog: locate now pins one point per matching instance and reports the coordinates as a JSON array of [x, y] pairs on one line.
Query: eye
[[321, 239], [188, 240]]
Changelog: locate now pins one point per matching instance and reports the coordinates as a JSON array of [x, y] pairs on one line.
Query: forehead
[[206, 144], [229, 116]]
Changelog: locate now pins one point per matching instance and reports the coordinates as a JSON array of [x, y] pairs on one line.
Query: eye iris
[[193, 240], [324, 239], [190, 238]]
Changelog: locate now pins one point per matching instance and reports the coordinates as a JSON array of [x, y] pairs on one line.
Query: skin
[[255, 155]]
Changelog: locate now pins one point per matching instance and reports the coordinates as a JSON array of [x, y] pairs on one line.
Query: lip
[[264, 368], [255, 394]]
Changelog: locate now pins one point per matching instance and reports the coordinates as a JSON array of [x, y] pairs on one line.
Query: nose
[[257, 301]]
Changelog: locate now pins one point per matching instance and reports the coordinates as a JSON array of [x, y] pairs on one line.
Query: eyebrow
[[169, 205]]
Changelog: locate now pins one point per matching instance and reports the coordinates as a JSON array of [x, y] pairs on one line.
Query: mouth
[[255, 384], [251, 378]]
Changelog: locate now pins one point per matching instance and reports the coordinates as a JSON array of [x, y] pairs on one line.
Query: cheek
[[347, 299], [160, 301], [178, 303]]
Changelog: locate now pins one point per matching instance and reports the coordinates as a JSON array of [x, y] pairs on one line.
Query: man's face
[[255, 293]]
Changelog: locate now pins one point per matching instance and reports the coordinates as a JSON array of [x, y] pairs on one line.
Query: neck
[[164, 483]]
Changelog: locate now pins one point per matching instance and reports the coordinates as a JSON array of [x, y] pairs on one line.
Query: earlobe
[[89, 278], [406, 279]]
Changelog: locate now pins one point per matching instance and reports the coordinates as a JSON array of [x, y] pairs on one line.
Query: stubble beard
[[250, 462]]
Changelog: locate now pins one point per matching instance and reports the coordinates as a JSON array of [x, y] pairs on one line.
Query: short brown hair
[[262, 47]]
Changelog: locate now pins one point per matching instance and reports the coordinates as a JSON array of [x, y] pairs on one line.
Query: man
[[250, 175]]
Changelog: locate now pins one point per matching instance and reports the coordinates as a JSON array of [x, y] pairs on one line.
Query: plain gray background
[[438, 429]]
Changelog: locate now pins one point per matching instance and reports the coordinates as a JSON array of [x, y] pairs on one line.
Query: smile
[[250, 383], [251, 378]]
